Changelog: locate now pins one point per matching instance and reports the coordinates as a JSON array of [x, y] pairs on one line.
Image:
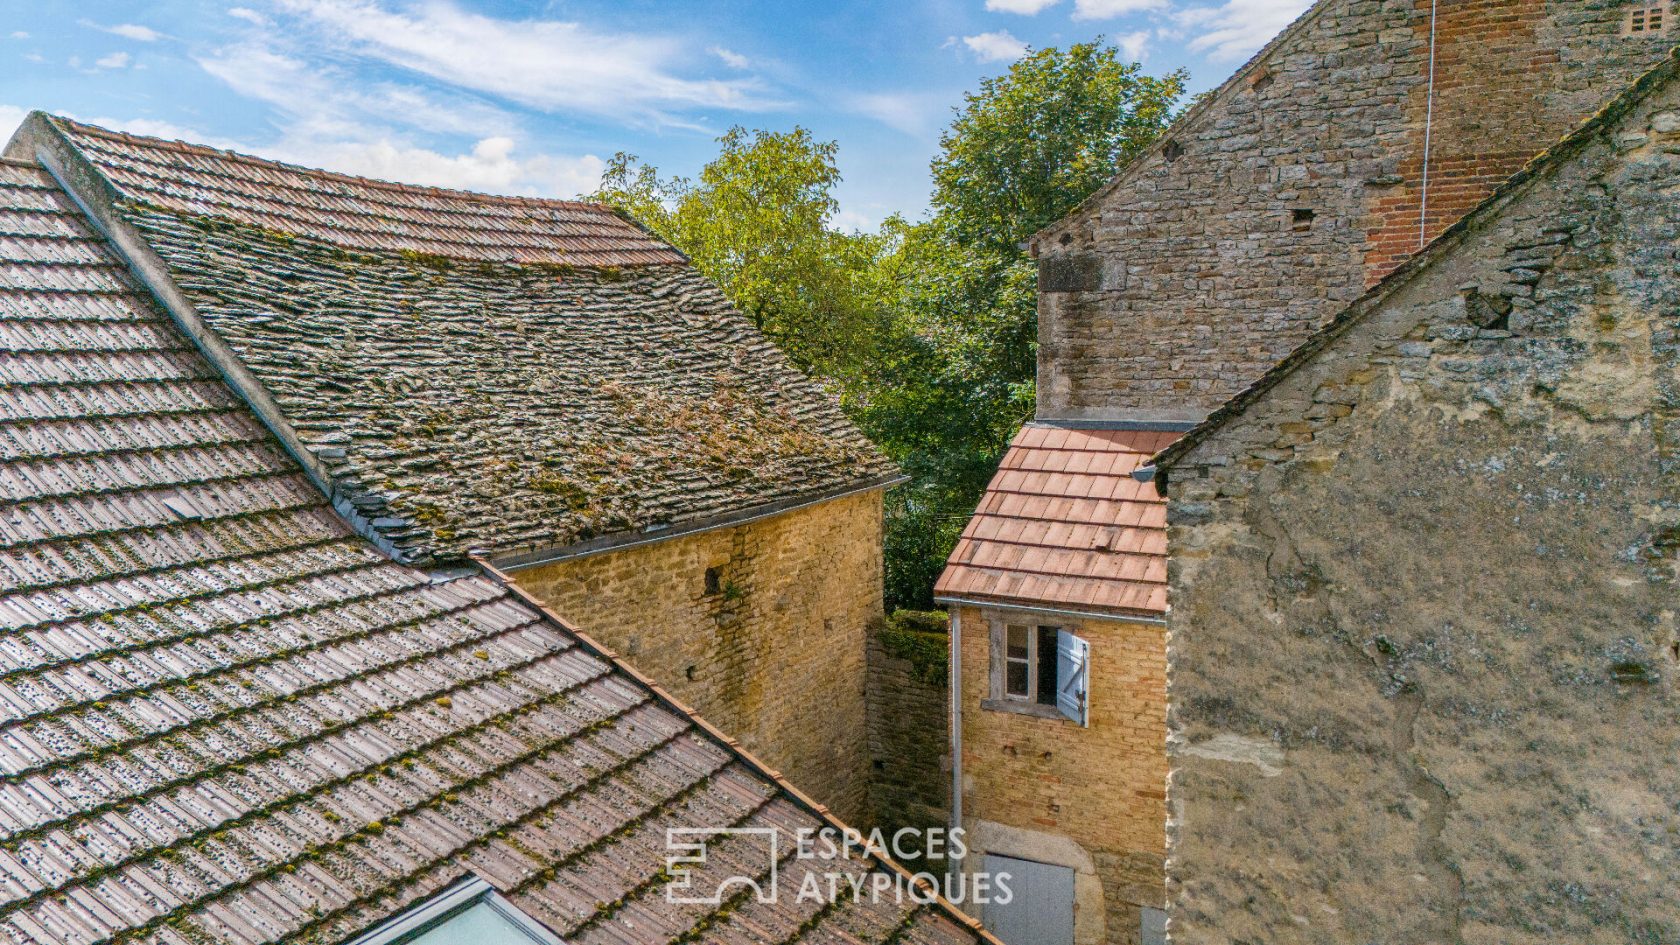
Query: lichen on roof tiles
[[225, 719], [503, 402]]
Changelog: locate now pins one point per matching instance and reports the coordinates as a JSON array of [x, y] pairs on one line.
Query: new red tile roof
[[225, 719], [1063, 524]]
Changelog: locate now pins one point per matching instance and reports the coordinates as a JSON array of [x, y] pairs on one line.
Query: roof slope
[[1063, 524], [224, 718], [365, 214], [466, 404]]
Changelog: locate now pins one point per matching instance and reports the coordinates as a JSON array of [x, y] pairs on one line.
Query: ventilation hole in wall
[[1487, 311], [1067, 238], [714, 581], [689, 672], [1300, 220], [880, 765], [1648, 18], [1172, 151], [1260, 79], [1632, 672]]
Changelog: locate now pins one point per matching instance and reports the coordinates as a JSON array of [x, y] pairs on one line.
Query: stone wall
[[1094, 798], [1275, 203], [760, 627], [910, 724], [1424, 653]]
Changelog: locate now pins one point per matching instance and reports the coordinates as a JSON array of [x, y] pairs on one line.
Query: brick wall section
[[1190, 277], [1103, 787], [776, 657], [1424, 653], [910, 726]]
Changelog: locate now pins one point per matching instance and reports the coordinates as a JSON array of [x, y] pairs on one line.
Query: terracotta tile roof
[[360, 213], [1063, 524], [225, 718], [460, 404]]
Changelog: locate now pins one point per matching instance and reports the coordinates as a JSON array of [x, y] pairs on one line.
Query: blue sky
[[531, 97]]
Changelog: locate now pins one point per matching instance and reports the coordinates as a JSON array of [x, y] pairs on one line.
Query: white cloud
[[326, 102], [134, 31], [917, 114], [547, 64], [1023, 7], [248, 15], [1133, 46], [10, 117], [116, 60], [1109, 9], [732, 59], [19, 34], [1239, 27], [492, 166], [995, 47]]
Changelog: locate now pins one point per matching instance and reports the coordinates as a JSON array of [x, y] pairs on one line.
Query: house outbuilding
[[229, 718], [541, 384], [1423, 650]]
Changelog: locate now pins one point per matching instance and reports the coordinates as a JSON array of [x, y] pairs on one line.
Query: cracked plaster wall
[[1422, 652]]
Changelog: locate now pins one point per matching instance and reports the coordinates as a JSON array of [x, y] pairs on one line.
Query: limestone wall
[[1423, 639], [770, 648], [1091, 798], [1277, 202], [909, 724]]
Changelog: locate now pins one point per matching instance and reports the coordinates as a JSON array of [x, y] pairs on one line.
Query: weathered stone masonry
[[1423, 647], [909, 724], [761, 627], [1298, 183]]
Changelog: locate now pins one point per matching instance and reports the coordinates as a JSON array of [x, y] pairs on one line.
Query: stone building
[[1362, 131], [540, 384], [1276, 200], [1059, 766], [227, 718], [1423, 640]]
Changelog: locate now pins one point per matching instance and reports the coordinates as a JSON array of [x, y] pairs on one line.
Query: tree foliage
[[1034, 142], [926, 330], [756, 221]]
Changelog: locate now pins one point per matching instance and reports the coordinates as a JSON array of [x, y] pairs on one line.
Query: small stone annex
[[1423, 649], [226, 718], [543, 384]]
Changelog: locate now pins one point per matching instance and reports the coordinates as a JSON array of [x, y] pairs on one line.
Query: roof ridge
[[1352, 314], [186, 147]]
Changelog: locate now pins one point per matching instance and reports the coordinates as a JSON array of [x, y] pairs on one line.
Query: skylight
[[470, 912]]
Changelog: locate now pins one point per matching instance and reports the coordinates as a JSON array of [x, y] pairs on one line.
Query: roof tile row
[[224, 718]]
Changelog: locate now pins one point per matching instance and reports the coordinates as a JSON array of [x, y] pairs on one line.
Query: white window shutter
[[1073, 658]]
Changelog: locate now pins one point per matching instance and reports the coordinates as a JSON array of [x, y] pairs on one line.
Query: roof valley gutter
[[619, 542], [759, 767]]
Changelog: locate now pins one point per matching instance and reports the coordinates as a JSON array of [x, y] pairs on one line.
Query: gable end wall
[[1187, 279], [1423, 653]]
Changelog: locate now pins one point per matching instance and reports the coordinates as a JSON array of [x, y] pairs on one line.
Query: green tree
[[756, 221], [1034, 142], [956, 380]]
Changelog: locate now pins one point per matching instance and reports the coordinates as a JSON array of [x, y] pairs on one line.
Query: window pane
[[479, 924], [1047, 665], [1015, 677], [1016, 647]]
